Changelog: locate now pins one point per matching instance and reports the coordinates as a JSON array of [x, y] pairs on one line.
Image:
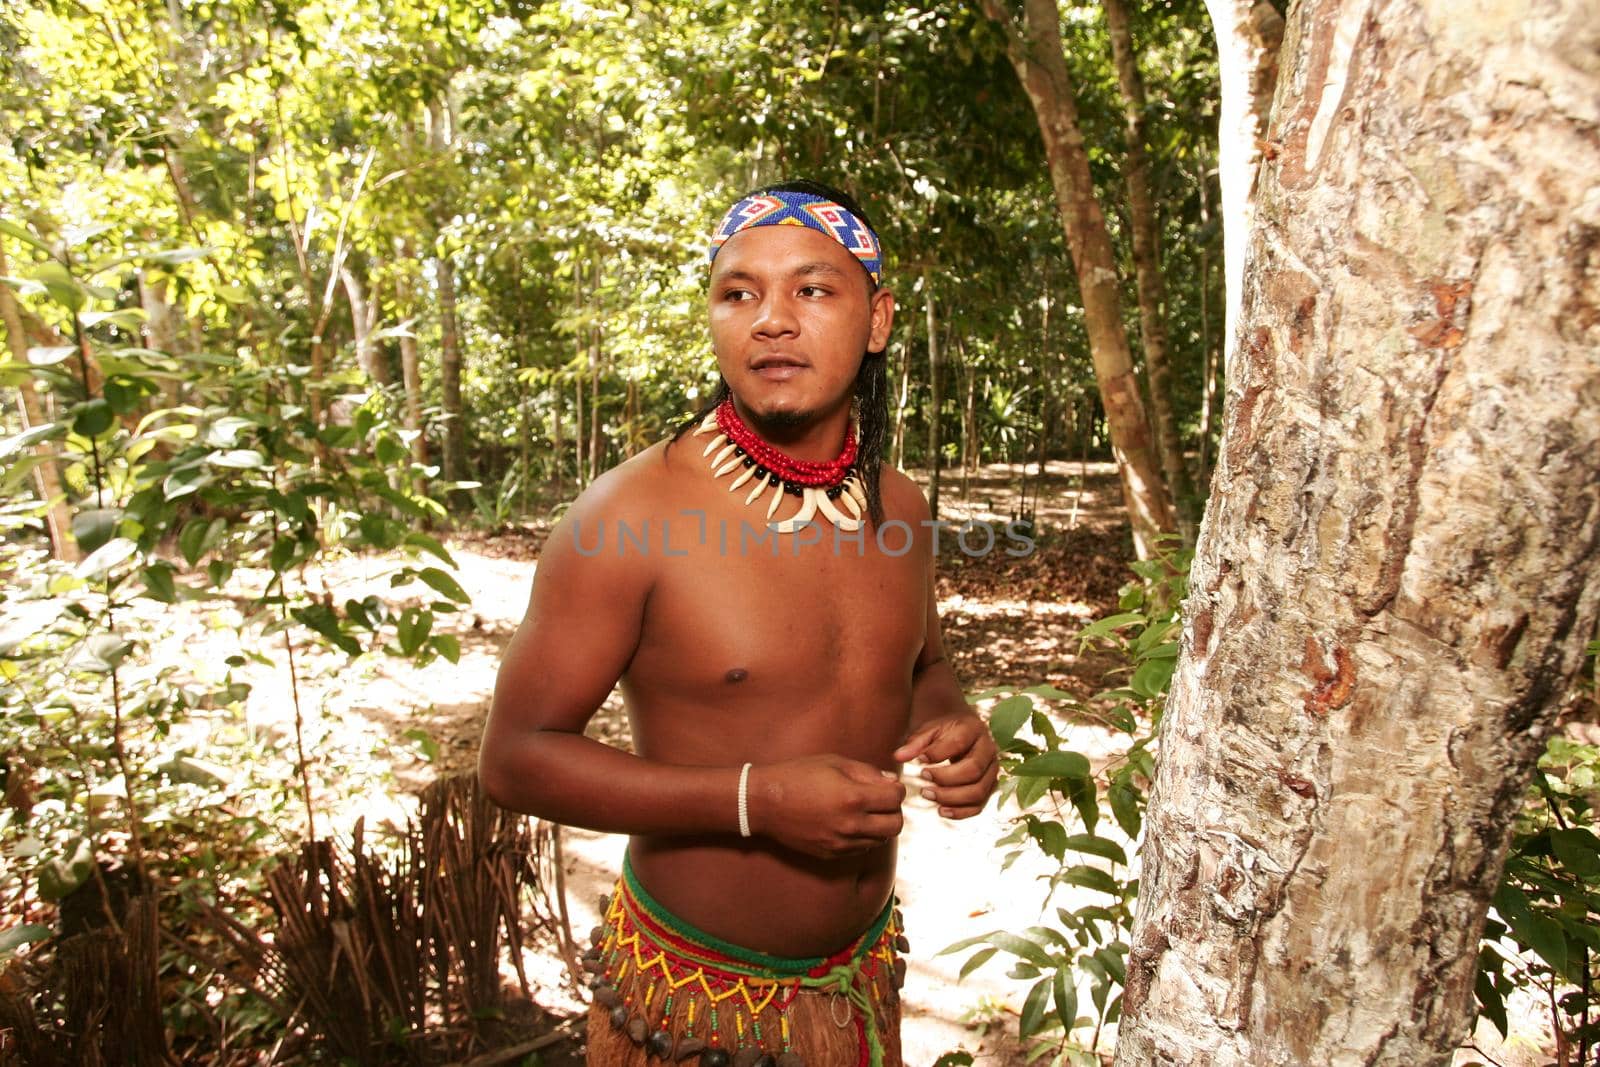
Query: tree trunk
[[46, 479], [557, 443], [907, 347], [455, 427], [1249, 36], [1400, 565], [1146, 234], [363, 320], [935, 400], [1035, 50], [410, 368], [579, 441]]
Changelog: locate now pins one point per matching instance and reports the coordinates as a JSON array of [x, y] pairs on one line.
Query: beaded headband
[[803, 209]]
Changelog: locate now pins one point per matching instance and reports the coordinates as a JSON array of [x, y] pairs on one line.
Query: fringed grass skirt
[[666, 992]]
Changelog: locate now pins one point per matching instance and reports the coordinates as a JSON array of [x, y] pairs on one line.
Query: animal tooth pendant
[[734, 445]]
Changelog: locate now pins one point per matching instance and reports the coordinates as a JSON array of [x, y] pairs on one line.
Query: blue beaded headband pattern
[[803, 209]]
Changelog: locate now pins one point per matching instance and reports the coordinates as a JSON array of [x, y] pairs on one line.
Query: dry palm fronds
[[395, 957], [94, 1002]]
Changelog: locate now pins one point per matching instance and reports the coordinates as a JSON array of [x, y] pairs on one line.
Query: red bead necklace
[[801, 472]]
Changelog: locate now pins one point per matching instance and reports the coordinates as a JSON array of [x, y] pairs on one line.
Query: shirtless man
[[775, 682]]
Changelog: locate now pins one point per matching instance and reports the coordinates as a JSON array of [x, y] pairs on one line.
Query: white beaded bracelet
[[744, 801]]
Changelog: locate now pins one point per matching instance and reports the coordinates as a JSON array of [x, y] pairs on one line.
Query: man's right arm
[[584, 621]]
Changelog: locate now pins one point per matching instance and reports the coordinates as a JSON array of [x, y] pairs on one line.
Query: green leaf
[[426, 745], [1066, 997], [27, 934], [961, 1058], [1020, 946], [25, 235], [158, 583], [976, 960], [50, 355], [1104, 627], [1091, 878], [1491, 1005], [63, 288], [1097, 846], [1033, 1007], [199, 536], [186, 480], [100, 562], [93, 527], [92, 418], [1055, 765], [444, 584], [1152, 677], [1125, 807], [1007, 718], [1051, 836], [1578, 850], [28, 438], [237, 459], [447, 645], [60, 875], [412, 629], [429, 545]]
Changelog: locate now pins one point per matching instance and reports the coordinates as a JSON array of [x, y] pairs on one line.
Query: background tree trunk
[[455, 427], [1401, 562], [46, 479], [1146, 233], [363, 320], [1035, 49], [1249, 36]]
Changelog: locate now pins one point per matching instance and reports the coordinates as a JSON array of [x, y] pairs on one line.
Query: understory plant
[[125, 776]]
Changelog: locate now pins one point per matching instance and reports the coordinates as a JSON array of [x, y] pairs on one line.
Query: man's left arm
[[960, 760]]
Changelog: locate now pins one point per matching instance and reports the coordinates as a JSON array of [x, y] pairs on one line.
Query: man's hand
[[825, 806], [972, 763]]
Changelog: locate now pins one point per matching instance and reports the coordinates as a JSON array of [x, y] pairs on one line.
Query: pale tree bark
[[1400, 564], [455, 427], [1249, 35], [363, 320], [411, 370], [903, 396], [1034, 46], [46, 480], [1146, 233]]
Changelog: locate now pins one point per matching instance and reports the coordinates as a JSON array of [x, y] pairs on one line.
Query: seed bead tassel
[[808, 508], [716, 443], [833, 514]]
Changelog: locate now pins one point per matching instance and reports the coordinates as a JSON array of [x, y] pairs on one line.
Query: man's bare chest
[[733, 602]]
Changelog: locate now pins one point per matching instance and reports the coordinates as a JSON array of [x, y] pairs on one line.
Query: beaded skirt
[[667, 993]]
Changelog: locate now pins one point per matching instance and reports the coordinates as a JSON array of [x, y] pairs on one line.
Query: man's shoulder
[[633, 488], [902, 497]]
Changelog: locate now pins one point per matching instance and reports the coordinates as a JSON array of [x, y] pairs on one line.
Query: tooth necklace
[[832, 488]]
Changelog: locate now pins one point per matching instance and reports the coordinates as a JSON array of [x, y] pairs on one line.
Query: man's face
[[792, 313]]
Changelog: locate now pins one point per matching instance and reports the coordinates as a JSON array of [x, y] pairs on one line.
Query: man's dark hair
[[872, 380]]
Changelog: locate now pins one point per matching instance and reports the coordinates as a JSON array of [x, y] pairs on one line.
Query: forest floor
[[382, 729]]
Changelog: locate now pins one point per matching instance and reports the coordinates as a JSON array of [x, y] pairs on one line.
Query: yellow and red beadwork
[[694, 992]]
